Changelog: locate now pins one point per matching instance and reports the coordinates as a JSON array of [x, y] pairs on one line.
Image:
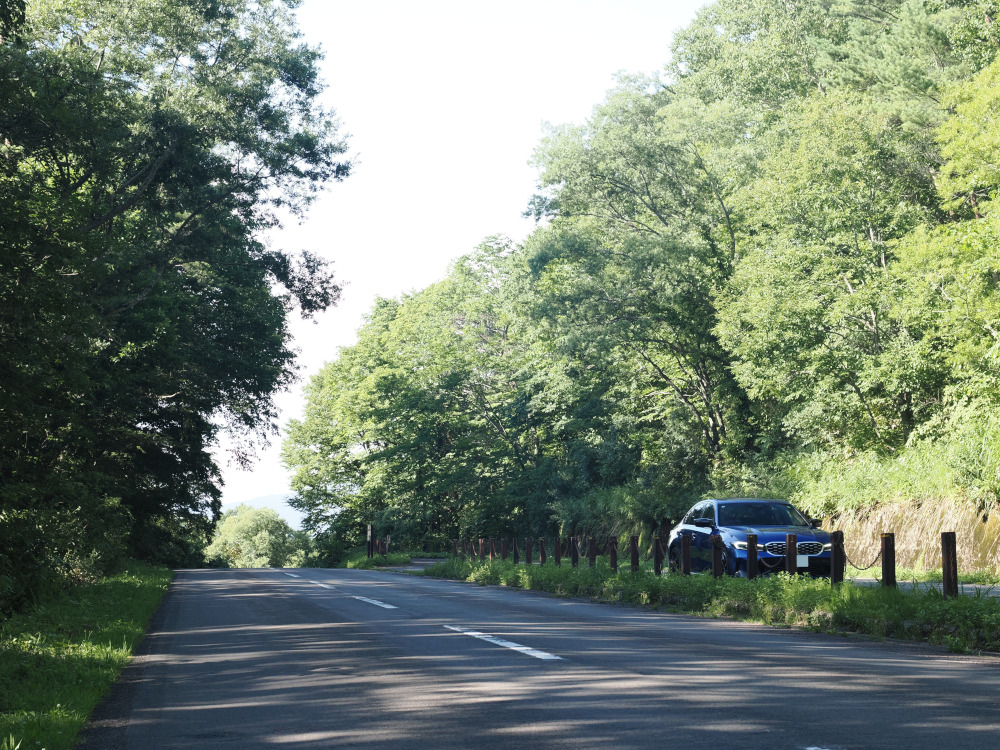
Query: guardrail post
[[527, 550], [716, 541], [517, 554], [592, 552], [657, 556], [574, 552], [752, 556], [889, 559], [685, 554], [791, 554], [838, 557], [613, 554], [949, 563], [633, 551], [371, 539], [541, 551]]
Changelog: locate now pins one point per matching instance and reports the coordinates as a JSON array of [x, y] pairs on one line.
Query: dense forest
[[144, 148], [770, 270]]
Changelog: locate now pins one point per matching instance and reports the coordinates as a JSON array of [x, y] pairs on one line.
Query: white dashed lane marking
[[506, 644], [376, 602]]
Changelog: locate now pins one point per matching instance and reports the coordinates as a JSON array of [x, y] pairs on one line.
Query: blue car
[[733, 519]]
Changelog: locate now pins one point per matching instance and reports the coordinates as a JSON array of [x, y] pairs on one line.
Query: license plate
[[802, 561]]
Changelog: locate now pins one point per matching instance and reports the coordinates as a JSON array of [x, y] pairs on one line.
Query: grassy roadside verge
[[358, 558], [59, 659], [965, 623]]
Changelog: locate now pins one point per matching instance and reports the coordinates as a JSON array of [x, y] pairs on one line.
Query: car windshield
[[759, 514]]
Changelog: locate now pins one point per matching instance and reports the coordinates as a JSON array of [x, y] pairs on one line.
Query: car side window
[[708, 511], [691, 515]]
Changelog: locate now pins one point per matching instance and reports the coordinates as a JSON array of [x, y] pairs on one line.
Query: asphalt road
[[345, 658]]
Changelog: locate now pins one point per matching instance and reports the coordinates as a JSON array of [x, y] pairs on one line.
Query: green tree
[[248, 537], [144, 149]]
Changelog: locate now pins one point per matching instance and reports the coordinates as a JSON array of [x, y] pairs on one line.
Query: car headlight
[[828, 546], [742, 546]]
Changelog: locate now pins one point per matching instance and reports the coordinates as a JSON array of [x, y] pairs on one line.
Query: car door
[[701, 546]]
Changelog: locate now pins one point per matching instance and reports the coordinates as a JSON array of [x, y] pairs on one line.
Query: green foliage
[[970, 140], [248, 537], [58, 658], [770, 271], [143, 154]]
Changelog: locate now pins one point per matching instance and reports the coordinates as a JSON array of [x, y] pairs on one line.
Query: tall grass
[[59, 659], [968, 623]]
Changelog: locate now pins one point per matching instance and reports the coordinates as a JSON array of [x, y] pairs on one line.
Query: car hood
[[767, 534]]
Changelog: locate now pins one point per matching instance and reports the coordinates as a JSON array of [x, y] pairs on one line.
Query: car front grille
[[804, 548]]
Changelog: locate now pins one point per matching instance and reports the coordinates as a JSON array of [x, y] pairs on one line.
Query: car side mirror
[[704, 523], [816, 522]]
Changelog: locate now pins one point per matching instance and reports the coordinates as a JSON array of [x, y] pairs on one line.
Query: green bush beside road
[[59, 658], [965, 623]]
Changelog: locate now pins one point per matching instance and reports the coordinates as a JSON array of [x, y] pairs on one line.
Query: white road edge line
[[324, 585], [291, 575], [376, 602], [506, 644]]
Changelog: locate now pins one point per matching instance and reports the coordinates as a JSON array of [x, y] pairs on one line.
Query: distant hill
[[277, 503]]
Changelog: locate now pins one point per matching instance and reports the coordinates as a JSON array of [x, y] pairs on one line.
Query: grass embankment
[[966, 623], [358, 558], [59, 659]]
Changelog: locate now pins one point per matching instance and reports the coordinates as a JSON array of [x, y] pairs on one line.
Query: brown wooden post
[[657, 556], [574, 552], [791, 554], [517, 554], [527, 551], [504, 549], [716, 541], [542, 557], [592, 552], [686, 554], [613, 554], [633, 551], [889, 559], [557, 550], [752, 567], [949, 563], [838, 557], [454, 548]]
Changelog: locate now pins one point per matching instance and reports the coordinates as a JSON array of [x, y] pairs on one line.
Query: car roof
[[748, 500]]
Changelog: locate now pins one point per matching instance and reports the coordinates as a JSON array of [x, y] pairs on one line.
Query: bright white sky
[[444, 101]]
